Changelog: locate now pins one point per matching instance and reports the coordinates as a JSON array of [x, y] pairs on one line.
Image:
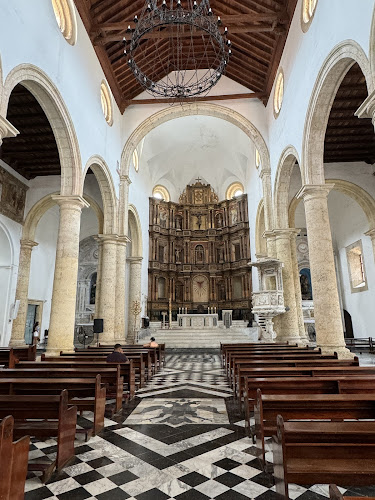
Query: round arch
[[358, 194], [329, 79], [282, 181], [107, 191], [6, 279], [260, 227], [135, 231], [372, 45], [50, 99], [40, 208], [196, 108]]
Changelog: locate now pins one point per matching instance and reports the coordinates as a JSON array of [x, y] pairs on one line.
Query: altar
[[198, 321]]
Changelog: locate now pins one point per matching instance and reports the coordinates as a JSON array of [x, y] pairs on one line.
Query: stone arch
[[329, 79], [40, 208], [51, 101], [372, 45], [260, 242], [196, 108], [6, 279], [136, 232], [282, 181], [107, 191], [358, 194]]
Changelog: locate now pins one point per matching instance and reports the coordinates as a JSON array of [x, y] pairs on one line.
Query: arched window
[[279, 94], [106, 101], [66, 19], [161, 193], [234, 190], [93, 288], [308, 11]]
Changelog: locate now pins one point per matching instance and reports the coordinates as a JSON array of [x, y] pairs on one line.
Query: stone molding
[[314, 191], [70, 202], [7, 129], [367, 108]]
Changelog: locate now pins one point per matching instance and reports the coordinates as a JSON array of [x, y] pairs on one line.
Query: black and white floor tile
[[181, 438]]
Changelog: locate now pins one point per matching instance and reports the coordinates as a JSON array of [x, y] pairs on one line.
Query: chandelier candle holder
[[178, 48]]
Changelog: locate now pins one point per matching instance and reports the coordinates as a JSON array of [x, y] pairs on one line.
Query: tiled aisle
[[180, 439]]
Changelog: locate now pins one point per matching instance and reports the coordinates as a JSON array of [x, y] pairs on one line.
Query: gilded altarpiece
[[199, 250]]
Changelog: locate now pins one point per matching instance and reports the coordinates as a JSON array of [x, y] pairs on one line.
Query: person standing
[[36, 333]]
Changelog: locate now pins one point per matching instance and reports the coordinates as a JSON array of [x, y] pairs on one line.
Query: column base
[[53, 352], [17, 343], [342, 352], [292, 339]]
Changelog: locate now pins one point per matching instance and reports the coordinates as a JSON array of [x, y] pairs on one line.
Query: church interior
[[201, 173]]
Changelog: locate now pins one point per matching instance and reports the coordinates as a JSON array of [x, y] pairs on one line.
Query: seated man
[[152, 343], [117, 356]]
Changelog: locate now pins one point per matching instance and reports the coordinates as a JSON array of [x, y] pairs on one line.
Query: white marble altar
[[197, 321]]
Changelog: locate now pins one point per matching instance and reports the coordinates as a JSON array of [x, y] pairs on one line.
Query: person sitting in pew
[[152, 343], [117, 356]]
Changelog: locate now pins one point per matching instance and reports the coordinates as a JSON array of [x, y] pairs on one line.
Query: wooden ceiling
[[257, 29], [348, 138], [34, 151]]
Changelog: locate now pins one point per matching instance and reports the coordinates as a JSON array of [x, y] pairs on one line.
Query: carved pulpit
[[268, 302]]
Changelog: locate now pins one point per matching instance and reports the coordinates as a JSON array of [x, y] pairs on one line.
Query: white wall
[[43, 263], [348, 225]]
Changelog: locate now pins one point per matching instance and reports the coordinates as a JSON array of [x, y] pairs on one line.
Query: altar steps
[[209, 338]]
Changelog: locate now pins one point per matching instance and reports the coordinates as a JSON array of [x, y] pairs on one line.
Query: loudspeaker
[[98, 326]]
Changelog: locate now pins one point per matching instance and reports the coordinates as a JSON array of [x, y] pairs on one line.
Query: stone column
[[123, 204], [62, 319], [288, 327], [297, 288], [107, 292], [134, 295], [371, 234], [22, 292], [120, 290], [328, 325]]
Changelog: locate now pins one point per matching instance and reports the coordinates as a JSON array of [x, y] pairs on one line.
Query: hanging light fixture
[[177, 48]]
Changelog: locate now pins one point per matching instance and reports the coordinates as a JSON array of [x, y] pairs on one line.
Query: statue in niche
[[199, 254], [219, 220], [178, 254], [234, 215], [163, 219], [178, 222]]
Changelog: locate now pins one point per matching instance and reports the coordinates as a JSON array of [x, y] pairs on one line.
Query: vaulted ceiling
[[257, 29]]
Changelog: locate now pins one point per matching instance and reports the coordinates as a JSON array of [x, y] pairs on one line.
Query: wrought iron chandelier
[[178, 48]]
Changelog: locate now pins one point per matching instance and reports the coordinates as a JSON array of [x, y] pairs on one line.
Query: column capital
[[287, 232], [265, 173], [135, 260], [268, 234], [28, 244], [367, 108], [123, 240], [71, 202], [371, 233], [314, 191], [125, 179], [6, 129], [107, 238]]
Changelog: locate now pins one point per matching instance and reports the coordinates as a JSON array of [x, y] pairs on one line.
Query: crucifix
[[198, 179]]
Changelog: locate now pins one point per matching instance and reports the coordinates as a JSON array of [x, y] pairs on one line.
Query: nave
[[182, 437]]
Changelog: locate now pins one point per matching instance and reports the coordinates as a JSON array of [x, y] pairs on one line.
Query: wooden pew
[[323, 452], [110, 377], [7, 358], [27, 353], [224, 348], [139, 361], [13, 462], [360, 344], [88, 396], [55, 419], [126, 369], [336, 384], [334, 494], [307, 406], [158, 353], [256, 347]]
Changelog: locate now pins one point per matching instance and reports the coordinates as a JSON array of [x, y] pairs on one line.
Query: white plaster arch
[[196, 108], [6, 278], [281, 190], [107, 191], [329, 79], [136, 232], [51, 101], [372, 45], [37, 211]]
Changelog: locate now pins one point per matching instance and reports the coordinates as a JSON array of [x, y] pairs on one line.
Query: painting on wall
[[12, 196]]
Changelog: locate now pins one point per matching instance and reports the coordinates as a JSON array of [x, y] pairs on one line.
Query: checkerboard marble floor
[[181, 438]]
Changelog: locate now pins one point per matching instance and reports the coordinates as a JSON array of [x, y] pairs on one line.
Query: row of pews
[[319, 410], [42, 399]]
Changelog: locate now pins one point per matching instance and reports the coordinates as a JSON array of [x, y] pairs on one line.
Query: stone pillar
[[120, 290], [371, 234], [123, 204], [297, 289], [107, 293], [22, 292], [134, 295], [328, 325], [288, 328], [62, 320]]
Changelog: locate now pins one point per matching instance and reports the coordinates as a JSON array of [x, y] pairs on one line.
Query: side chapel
[[199, 253]]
